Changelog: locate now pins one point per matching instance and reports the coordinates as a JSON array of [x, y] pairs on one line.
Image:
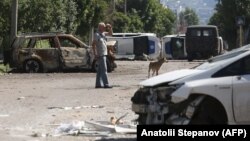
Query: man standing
[[101, 51]]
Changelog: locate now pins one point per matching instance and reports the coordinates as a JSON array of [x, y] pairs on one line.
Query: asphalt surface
[[33, 106]]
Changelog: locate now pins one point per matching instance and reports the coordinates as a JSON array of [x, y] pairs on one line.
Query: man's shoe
[[108, 87], [98, 87]]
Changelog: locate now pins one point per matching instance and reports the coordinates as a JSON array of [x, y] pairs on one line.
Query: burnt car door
[[38, 54], [74, 54]]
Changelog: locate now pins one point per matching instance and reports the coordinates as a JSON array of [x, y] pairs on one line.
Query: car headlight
[[163, 93], [177, 86]]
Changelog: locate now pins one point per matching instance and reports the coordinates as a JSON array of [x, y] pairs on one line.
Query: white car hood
[[168, 77]]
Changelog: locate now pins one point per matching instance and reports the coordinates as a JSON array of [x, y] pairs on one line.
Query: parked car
[[43, 52], [215, 92], [203, 42]]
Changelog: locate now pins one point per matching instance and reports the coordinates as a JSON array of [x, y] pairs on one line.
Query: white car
[[215, 92]]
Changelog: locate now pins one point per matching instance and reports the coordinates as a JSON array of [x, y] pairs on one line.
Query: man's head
[[101, 26]]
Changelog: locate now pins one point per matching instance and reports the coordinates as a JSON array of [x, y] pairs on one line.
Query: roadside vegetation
[[225, 17], [4, 68], [79, 17]]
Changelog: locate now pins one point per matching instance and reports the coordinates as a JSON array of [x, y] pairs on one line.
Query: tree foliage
[[46, 16], [80, 16], [4, 22], [225, 17], [188, 17]]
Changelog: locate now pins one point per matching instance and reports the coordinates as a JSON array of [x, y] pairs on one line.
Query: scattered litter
[[125, 129], [77, 107], [92, 128], [81, 128], [4, 115], [95, 133], [35, 134], [105, 126], [110, 112], [101, 126], [20, 98], [69, 129], [116, 121]]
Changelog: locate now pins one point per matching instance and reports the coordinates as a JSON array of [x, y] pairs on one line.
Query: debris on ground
[[36, 134], [77, 107], [90, 128], [4, 115], [116, 121], [99, 128], [20, 98]]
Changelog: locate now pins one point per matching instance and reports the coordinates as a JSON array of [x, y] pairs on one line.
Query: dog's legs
[[156, 72], [153, 73]]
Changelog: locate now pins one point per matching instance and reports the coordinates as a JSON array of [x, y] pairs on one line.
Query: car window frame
[[72, 40], [242, 68]]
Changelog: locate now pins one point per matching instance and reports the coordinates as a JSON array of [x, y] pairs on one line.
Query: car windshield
[[219, 60], [226, 56]]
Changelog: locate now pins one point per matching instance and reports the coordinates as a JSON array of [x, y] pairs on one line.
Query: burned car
[[43, 52], [215, 92]]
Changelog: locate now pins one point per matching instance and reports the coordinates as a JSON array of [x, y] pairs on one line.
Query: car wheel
[[190, 58], [32, 66], [209, 112]]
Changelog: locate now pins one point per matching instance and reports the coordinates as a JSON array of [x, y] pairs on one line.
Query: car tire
[[32, 66], [190, 58], [209, 112]]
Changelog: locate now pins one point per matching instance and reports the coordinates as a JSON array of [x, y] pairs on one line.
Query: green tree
[[80, 16], [154, 16], [188, 17], [47, 16], [90, 13], [4, 23], [225, 18], [135, 25]]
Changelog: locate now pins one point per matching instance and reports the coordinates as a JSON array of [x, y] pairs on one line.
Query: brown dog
[[155, 66]]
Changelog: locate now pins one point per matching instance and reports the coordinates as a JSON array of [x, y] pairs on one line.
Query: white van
[[131, 45], [173, 46]]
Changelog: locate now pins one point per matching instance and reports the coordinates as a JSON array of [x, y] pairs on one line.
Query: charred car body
[[43, 52], [215, 92]]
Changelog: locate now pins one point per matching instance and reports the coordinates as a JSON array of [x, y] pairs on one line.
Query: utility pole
[[241, 39], [14, 16], [125, 7], [240, 22]]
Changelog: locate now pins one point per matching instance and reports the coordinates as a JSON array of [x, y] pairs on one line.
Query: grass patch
[[3, 68]]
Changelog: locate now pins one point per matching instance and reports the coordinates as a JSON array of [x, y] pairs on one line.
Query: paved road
[[34, 105]]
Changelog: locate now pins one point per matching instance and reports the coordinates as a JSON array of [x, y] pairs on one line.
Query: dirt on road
[[32, 106]]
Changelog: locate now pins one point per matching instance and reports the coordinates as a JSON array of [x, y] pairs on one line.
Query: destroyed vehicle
[[43, 52], [215, 92]]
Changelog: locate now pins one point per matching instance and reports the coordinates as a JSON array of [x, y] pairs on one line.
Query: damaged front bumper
[[154, 106]]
